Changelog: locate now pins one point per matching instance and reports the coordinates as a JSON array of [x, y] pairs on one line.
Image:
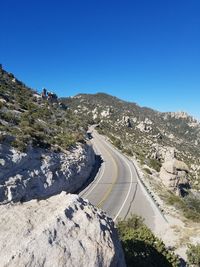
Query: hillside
[[42, 144], [142, 131], [31, 120]]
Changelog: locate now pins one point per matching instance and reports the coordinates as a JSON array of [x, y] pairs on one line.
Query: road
[[116, 188]]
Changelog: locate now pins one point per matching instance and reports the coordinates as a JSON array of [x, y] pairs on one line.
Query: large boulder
[[144, 127], [64, 230], [163, 153], [174, 175], [172, 166]]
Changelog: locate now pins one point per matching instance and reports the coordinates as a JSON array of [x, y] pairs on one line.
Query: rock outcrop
[[41, 173], [174, 175], [163, 153], [106, 113], [144, 127], [126, 121], [64, 230]]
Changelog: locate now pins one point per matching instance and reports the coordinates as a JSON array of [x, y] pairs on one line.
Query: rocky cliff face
[[40, 173], [64, 230]]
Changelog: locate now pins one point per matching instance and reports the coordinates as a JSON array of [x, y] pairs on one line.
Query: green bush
[[116, 142], [19, 145], [155, 164], [147, 171], [193, 255], [2, 138], [190, 206], [128, 151], [65, 140], [1, 104], [10, 117], [141, 247]]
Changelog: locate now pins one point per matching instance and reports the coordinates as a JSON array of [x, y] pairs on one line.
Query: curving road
[[116, 188]]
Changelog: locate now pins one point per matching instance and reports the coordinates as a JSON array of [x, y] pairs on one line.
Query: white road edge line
[[89, 192], [142, 187], [130, 187], [97, 181], [131, 183]]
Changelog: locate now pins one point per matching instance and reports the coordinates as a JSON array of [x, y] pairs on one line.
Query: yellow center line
[[109, 190]]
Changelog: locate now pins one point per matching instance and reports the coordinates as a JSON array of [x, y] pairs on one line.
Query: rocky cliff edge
[[40, 173], [64, 230]]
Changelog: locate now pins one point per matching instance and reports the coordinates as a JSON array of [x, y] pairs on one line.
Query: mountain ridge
[[180, 113]]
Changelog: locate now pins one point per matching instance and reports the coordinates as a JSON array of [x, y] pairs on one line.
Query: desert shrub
[[128, 151], [43, 113], [116, 142], [10, 117], [22, 101], [59, 122], [100, 130], [32, 107], [2, 138], [141, 247], [147, 171], [1, 104], [26, 120], [19, 145], [65, 140], [38, 127], [193, 203], [79, 137], [140, 156], [155, 164], [40, 142], [193, 255], [189, 206]]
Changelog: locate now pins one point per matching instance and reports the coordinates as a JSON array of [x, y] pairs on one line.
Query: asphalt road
[[116, 188]]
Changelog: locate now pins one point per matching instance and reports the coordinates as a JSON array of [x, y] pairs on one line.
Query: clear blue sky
[[145, 51]]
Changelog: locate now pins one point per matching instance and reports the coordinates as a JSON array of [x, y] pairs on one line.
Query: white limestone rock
[[172, 166], [40, 173], [105, 113], [126, 121], [163, 153], [144, 127], [64, 230], [95, 114], [148, 121], [174, 175]]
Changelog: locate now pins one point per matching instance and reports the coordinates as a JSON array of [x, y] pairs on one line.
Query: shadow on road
[[96, 167]]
